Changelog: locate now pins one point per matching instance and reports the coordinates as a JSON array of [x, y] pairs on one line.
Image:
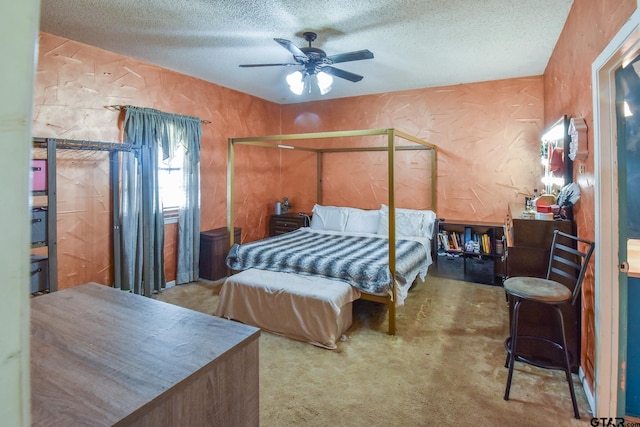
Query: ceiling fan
[[315, 60]]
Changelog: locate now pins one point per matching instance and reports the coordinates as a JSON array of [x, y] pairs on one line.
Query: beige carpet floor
[[445, 366]]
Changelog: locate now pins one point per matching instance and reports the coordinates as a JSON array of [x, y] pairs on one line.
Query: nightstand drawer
[[286, 225]]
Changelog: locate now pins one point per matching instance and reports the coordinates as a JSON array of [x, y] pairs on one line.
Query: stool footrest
[[537, 360]]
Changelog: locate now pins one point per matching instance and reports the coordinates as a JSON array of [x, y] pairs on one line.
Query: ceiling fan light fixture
[[317, 75], [296, 82], [324, 82], [300, 82]]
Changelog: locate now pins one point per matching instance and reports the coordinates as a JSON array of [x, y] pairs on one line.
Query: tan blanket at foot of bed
[[312, 309]]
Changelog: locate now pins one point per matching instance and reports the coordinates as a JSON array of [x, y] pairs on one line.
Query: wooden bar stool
[[567, 267]]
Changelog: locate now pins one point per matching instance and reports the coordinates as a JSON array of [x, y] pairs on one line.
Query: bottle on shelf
[[530, 205], [531, 201]]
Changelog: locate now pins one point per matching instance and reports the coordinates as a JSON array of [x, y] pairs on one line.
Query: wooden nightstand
[[284, 223]]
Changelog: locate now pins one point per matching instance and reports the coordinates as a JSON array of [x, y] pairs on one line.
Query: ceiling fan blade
[[351, 56], [295, 50], [342, 74], [267, 65]]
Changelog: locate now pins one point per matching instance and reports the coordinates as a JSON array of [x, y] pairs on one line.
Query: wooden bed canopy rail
[[276, 141]]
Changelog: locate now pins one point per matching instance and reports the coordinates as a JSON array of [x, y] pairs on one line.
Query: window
[[170, 180]]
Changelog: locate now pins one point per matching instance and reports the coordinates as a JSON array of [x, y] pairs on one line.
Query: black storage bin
[[479, 270], [39, 273], [39, 225], [450, 267]]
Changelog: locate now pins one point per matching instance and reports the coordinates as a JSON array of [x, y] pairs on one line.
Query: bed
[[302, 284], [401, 236], [353, 251]]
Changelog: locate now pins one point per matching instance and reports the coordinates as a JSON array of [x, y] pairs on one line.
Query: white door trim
[[621, 47]]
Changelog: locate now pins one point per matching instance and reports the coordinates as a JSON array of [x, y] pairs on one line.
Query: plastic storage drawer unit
[[39, 180], [39, 225], [39, 273]]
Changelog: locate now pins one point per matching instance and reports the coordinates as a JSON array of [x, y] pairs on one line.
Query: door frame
[[609, 397]]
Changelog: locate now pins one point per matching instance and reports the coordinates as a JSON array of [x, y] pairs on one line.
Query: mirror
[[556, 165]]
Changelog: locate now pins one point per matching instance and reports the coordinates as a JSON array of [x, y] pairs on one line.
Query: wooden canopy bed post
[[274, 141], [230, 199], [392, 230]]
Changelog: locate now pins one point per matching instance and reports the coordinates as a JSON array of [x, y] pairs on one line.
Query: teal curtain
[[141, 213], [189, 209]]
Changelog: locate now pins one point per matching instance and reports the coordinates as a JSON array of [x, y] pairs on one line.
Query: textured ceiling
[[416, 44]]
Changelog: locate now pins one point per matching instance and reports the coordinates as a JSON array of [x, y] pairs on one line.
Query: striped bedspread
[[360, 260]]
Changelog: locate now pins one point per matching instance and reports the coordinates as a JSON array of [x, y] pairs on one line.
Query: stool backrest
[[567, 262]]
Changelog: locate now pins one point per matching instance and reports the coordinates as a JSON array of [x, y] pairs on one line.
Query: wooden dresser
[[529, 242], [103, 357], [528, 248], [214, 248]]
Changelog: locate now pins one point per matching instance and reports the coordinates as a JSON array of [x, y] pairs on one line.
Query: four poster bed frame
[[276, 141]]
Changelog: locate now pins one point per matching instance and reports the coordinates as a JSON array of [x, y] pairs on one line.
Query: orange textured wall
[[487, 137], [487, 134], [74, 83], [568, 90]]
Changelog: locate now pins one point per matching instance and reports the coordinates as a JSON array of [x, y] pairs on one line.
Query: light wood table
[[102, 357]]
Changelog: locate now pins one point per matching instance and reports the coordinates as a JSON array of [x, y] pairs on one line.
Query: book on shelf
[[455, 241], [486, 244], [481, 243], [443, 241], [449, 241], [467, 240]]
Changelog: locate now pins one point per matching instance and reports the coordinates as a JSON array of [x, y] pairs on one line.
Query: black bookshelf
[[469, 251]]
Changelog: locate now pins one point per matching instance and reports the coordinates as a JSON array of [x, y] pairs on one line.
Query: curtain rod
[[124, 107]]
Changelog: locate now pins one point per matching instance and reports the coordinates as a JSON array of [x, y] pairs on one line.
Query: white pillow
[[409, 222], [328, 218], [362, 221], [407, 225], [428, 223]]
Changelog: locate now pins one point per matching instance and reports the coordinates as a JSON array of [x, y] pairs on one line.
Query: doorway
[[611, 375], [627, 81]]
